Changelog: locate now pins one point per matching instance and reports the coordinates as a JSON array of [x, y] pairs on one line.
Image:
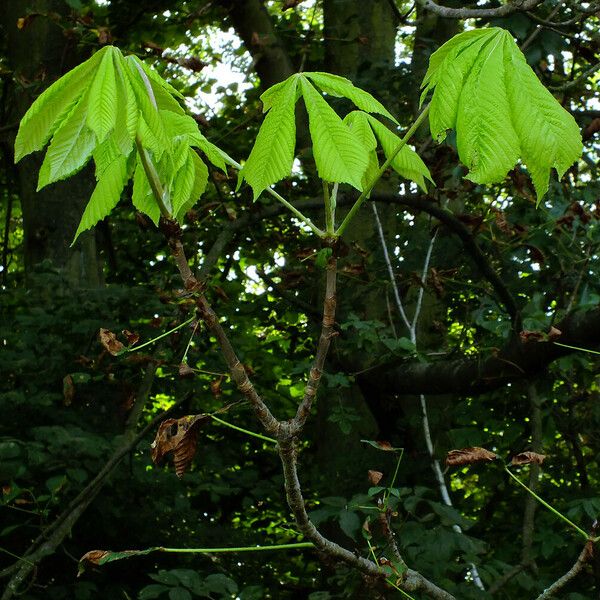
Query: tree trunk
[[39, 53]]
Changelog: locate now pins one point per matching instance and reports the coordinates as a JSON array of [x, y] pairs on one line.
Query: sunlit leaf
[[339, 156]]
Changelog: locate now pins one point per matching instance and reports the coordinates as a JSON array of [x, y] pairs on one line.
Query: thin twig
[[479, 13], [584, 556], [412, 329]]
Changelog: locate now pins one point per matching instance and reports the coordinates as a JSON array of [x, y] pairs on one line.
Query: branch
[[447, 218], [479, 13], [327, 333], [173, 233], [517, 360], [560, 583]]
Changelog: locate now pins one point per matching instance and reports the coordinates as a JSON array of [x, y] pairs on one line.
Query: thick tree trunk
[[39, 53]]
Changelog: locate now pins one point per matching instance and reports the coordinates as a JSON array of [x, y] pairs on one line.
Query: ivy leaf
[[102, 114], [70, 149], [106, 194], [334, 85], [407, 162], [47, 112], [272, 155], [339, 156], [484, 88]]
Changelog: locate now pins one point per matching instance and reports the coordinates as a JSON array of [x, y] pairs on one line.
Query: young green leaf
[[359, 124], [200, 181], [104, 154], [334, 85], [70, 149], [106, 194], [484, 88], [127, 110], [183, 182], [163, 92], [407, 162], [486, 140], [549, 136], [185, 126], [102, 114], [272, 156], [339, 156], [143, 198], [47, 112]]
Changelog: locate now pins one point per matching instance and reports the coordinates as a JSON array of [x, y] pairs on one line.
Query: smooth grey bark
[[39, 53]]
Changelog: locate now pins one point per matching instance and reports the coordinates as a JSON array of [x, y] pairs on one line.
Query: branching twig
[[479, 13], [560, 583]]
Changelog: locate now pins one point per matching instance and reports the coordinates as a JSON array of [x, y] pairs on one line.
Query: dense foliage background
[[501, 274]]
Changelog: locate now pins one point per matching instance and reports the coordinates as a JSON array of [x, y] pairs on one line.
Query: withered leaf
[[178, 437], [469, 456], [374, 477], [531, 336], [132, 337], [554, 333], [381, 445], [527, 458], [109, 340], [185, 370], [94, 557], [68, 390], [215, 387]]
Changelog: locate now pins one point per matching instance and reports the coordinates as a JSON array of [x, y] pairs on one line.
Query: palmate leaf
[[335, 85], [406, 163], [185, 126], [272, 155], [339, 156], [183, 203], [102, 114], [143, 198], [70, 149], [106, 194], [47, 112], [484, 88]]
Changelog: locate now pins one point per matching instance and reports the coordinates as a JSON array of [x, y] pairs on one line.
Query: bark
[[517, 360], [40, 53]]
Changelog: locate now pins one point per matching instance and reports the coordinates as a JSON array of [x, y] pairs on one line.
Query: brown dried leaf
[[215, 387], [132, 337], [93, 557], [109, 340], [469, 456], [374, 477], [531, 336], [528, 458], [178, 437], [185, 370], [554, 333], [68, 390]]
